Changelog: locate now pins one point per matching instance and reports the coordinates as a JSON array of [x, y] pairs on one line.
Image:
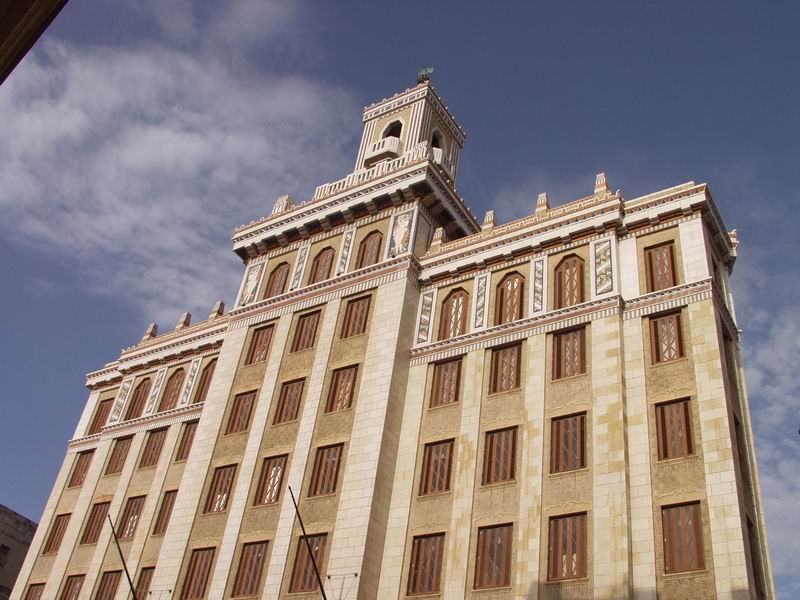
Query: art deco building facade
[[549, 408]]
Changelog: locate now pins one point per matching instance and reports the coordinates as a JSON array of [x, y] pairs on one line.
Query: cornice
[[655, 302]]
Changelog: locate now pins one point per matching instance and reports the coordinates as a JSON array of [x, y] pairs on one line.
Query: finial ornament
[[184, 321], [150, 332], [601, 184], [488, 221], [282, 204], [424, 74], [542, 202], [218, 310]]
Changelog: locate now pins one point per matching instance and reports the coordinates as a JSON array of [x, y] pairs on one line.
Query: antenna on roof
[[424, 74]]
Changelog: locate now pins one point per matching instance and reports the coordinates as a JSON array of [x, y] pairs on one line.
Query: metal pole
[[122, 558], [308, 546]]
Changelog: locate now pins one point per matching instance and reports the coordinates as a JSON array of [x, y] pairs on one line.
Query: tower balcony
[[440, 159], [388, 147]]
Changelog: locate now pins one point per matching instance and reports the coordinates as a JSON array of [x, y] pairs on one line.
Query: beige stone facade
[[375, 510]]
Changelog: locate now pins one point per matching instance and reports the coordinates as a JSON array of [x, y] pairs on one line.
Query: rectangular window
[[108, 585], [95, 523], [683, 538], [499, 456], [143, 585], [326, 470], [446, 381], [100, 416], [569, 353], [269, 484], [306, 332], [568, 443], [493, 560], [130, 518], [165, 512], [196, 581], [118, 455], [660, 267], [567, 551], [152, 448], [666, 339], [82, 462], [425, 571], [251, 567], [436, 466], [56, 534], [72, 588], [355, 317], [35, 591], [220, 490], [187, 438], [304, 579], [343, 383], [239, 419], [259, 345], [505, 368], [289, 401], [673, 429]]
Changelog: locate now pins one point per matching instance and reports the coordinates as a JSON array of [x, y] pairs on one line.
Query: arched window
[[436, 140], [394, 129], [172, 390], [453, 321], [205, 382], [321, 266], [509, 298], [136, 407], [276, 284], [569, 282], [369, 250]]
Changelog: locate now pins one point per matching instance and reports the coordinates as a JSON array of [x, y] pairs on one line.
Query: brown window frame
[[556, 547], [673, 517], [653, 274], [260, 341], [83, 460], [502, 443], [305, 334], [303, 577], [72, 587], [325, 474], [164, 512], [101, 415], [129, 521], [425, 566], [204, 384], [56, 535], [564, 294], [119, 454], [153, 446], [187, 440], [288, 407], [107, 588], [342, 389], [195, 582], [368, 252], [509, 299], [563, 367], [172, 391], [34, 591], [268, 491], [502, 370], [674, 429], [453, 320], [220, 489], [435, 476], [568, 443], [321, 266], [138, 400], [241, 412], [493, 552], [276, 283], [144, 581], [94, 523], [250, 571], [356, 314], [444, 390], [657, 354]]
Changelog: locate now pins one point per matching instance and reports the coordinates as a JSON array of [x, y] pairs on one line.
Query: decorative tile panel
[[151, 402], [481, 301], [297, 278], [603, 269], [194, 368], [345, 250], [537, 300], [400, 238], [425, 317], [122, 398], [251, 284]]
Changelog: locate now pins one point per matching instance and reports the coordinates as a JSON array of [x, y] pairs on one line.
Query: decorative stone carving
[[542, 203], [190, 379], [282, 204], [184, 321], [218, 310], [122, 398], [252, 281], [150, 332], [538, 285], [603, 273], [344, 252], [401, 234], [481, 286], [151, 402], [297, 278], [488, 221], [601, 185], [425, 317]]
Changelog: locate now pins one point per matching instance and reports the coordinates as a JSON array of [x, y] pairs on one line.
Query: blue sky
[[139, 133]]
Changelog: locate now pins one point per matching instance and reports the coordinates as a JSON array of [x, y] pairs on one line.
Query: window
[[194, 586], [369, 250], [755, 560], [100, 416], [172, 391], [446, 378], [289, 401], [683, 538], [499, 456], [118, 455], [509, 298], [505, 368], [108, 585], [569, 282], [35, 591], [659, 264], [269, 484], [425, 571], [239, 419], [567, 551], [304, 579], [326, 470], [355, 317], [205, 382], [3, 555], [276, 284], [72, 588], [165, 512], [343, 383], [130, 518], [666, 341], [152, 448], [136, 406], [56, 534], [95, 523], [453, 321], [187, 438], [493, 560], [568, 443], [82, 462], [306, 332], [569, 353], [673, 429], [436, 467], [394, 129], [251, 566], [259, 345], [143, 585], [219, 492], [321, 266]]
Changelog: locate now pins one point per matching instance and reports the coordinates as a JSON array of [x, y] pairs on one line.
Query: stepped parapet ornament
[[184, 321], [542, 203], [150, 332]]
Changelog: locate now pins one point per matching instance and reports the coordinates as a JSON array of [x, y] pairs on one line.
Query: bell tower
[[411, 124]]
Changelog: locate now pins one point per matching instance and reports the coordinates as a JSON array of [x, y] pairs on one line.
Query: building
[[22, 22], [16, 533], [548, 408]]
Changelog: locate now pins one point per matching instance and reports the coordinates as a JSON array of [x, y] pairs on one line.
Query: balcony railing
[[440, 159], [388, 147]]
